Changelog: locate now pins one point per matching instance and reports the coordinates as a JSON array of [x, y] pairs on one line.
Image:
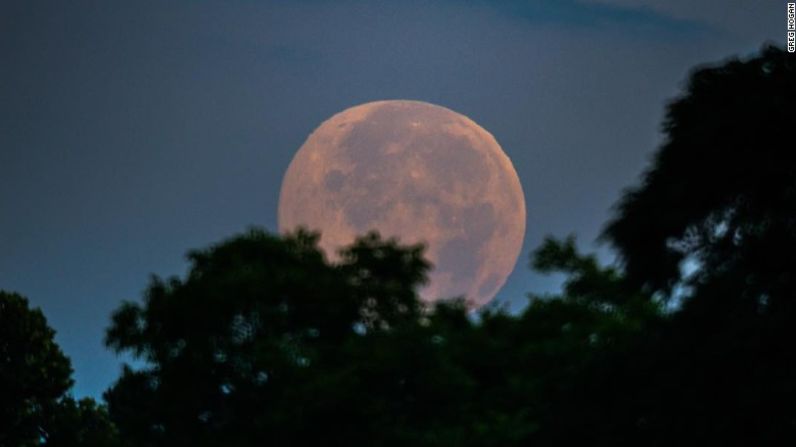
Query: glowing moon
[[418, 172]]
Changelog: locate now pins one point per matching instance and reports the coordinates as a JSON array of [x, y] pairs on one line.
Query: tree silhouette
[[34, 379], [81, 423], [34, 373], [265, 340], [254, 339], [721, 193], [721, 189]]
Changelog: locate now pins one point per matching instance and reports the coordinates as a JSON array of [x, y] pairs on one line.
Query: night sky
[[131, 133]]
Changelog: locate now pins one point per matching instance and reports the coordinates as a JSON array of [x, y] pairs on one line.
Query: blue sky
[[131, 133]]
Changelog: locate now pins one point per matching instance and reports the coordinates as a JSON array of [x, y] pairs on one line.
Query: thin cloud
[[760, 20]]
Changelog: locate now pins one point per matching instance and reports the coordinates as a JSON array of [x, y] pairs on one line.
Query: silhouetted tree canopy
[[244, 348], [265, 340], [34, 372], [721, 193], [721, 189], [34, 379], [82, 423]]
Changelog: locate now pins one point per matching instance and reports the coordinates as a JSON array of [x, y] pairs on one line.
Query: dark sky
[[131, 133]]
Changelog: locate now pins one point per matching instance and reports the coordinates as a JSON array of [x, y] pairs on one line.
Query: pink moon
[[417, 172]]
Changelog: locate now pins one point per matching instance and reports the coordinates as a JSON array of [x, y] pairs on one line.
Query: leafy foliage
[[34, 378], [266, 340], [34, 372], [244, 347], [720, 189], [80, 423], [721, 194]]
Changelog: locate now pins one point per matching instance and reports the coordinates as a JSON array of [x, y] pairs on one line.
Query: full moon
[[418, 172]]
